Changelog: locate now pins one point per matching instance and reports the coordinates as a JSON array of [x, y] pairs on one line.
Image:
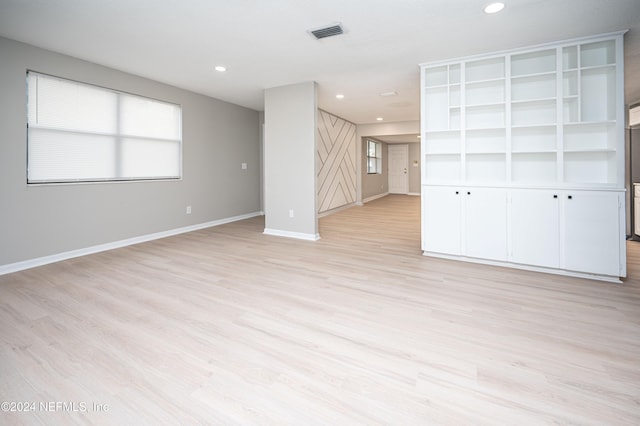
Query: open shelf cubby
[[570, 83], [534, 168], [454, 118], [485, 69], [486, 92], [486, 168], [570, 108], [570, 58], [597, 54], [533, 87], [454, 74], [590, 136], [540, 112], [442, 168], [534, 139], [485, 116], [594, 168], [454, 95], [543, 61], [597, 94], [436, 108], [486, 140], [442, 142], [434, 77]]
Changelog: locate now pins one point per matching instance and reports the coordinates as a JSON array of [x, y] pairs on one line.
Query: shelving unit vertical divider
[[463, 122], [508, 156], [620, 111], [507, 119], [449, 83], [559, 114], [423, 133], [579, 78]]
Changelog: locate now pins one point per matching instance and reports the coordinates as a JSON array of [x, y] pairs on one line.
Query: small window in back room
[[374, 157], [78, 132]]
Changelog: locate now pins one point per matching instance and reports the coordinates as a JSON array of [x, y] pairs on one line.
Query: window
[[82, 133], [374, 157]]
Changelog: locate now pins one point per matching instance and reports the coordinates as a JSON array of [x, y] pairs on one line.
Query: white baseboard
[[336, 210], [290, 234], [40, 261], [375, 197], [415, 194]]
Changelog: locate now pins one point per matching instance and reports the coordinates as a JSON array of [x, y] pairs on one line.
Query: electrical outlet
[[188, 209], [291, 213], [244, 166]]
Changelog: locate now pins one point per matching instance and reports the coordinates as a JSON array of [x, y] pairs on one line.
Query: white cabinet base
[[568, 232], [554, 271]]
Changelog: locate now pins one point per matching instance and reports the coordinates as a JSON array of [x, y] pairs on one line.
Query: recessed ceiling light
[[340, 96], [379, 118], [220, 68], [494, 8], [386, 94]]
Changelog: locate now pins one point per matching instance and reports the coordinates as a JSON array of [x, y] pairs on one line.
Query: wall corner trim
[[40, 261]]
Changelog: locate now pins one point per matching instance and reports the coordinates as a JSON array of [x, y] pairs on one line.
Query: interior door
[[398, 169]]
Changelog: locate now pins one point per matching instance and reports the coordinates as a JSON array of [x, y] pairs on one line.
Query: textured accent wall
[[336, 162]]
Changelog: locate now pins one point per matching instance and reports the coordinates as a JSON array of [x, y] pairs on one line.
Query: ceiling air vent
[[325, 32]]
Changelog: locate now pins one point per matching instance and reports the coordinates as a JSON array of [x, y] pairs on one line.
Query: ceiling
[[265, 43]]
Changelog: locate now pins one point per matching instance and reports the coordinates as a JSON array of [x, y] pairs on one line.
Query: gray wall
[[37, 221], [290, 132], [414, 168]]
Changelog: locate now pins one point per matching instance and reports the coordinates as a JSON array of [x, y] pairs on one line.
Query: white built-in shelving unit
[[545, 118]]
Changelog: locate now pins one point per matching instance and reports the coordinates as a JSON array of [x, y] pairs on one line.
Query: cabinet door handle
[[555, 195], [570, 197], [457, 192], [468, 193]]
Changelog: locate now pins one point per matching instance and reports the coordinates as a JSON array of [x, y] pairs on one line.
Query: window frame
[[377, 157], [119, 138]]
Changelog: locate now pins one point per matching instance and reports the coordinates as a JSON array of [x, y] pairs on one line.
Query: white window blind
[[83, 133]]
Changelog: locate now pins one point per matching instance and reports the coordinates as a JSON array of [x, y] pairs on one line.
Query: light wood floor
[[229, 326]]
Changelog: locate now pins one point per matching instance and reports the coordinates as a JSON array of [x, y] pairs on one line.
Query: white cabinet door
[[591, 221], [485, 216], [535, 227], [441, 219]]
